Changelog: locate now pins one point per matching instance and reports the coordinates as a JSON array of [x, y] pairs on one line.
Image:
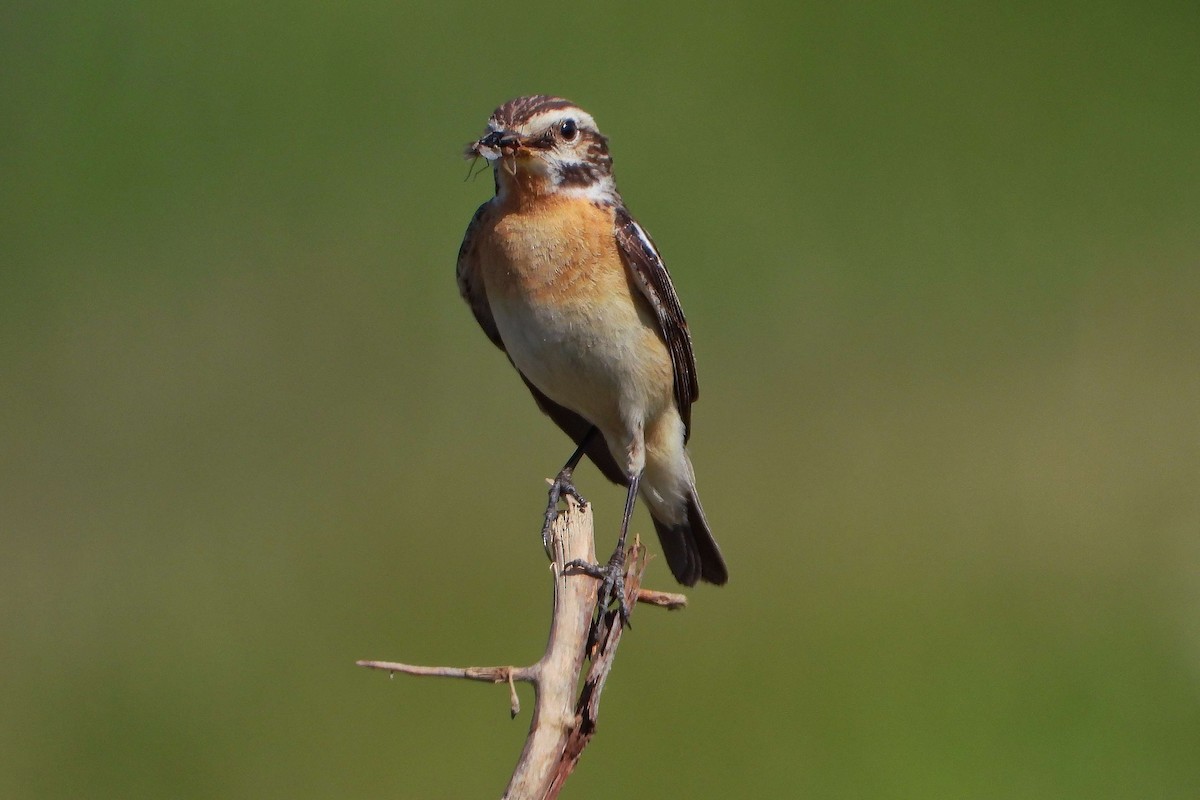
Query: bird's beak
[[494, 145]]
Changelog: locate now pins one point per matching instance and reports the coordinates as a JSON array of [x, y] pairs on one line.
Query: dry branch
[[564, 719]]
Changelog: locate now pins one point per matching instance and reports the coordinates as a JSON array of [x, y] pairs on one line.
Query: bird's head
[[542, 145]]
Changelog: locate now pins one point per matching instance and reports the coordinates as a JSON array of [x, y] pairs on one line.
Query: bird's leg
[[562, 485], [613, 587], [612, 574]]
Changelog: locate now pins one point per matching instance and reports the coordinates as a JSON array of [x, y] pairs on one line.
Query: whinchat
[[566, 282]]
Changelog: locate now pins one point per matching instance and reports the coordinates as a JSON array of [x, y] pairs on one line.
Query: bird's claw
[[560, 487], [612, 583]]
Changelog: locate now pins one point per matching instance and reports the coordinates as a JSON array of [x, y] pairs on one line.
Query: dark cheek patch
[[578, 174]]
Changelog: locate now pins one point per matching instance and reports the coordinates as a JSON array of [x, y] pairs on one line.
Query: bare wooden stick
[[571, 537], [488, 674], [562, 724], [606, 635], [671, 601]]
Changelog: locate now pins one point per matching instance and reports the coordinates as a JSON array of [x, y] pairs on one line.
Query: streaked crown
[[545, 145]]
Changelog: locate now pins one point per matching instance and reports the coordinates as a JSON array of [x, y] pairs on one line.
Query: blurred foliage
[[941, 266]]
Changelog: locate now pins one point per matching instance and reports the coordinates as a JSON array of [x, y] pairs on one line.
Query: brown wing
[[470, 286], [470, 281], [646, 265]]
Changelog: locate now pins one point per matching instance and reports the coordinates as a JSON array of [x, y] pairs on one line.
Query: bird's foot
[[560, 487], [612, 582]]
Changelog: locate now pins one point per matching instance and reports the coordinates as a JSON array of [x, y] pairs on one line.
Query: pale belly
[[599, 359]]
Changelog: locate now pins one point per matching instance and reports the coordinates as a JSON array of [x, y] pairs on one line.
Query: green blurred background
[[942, 267]]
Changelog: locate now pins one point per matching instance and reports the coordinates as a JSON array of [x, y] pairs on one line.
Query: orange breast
[[555, 251]]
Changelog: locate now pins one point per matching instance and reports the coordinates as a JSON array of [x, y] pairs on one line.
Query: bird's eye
[[568, 129]]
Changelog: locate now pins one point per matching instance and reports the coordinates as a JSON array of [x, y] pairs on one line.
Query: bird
[[565, 281]]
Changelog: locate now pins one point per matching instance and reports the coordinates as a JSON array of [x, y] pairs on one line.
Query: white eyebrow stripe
[[547, 119]]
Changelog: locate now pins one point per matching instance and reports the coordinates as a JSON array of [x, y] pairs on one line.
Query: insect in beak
[[495, 145]]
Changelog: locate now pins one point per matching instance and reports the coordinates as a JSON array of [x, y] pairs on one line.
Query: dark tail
[[690, 549]]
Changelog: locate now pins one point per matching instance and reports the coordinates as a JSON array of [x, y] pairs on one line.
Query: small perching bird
[[562, 278]]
